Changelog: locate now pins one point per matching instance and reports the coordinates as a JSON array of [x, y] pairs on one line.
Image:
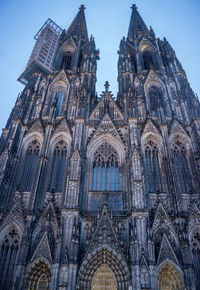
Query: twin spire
[[78, 28], [137, 26]]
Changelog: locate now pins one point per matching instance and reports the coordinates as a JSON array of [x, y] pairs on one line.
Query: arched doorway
[[169, 278], [104, 279], [104, 270], [38, 277]]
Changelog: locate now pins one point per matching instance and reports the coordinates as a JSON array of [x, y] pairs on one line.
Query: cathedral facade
[[98, 192]]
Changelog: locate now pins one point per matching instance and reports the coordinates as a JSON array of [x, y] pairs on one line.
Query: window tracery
[[182, 167], [8, 257], [59, 166], [105, 169], [31, 161], [155, 99], [153, 170], [58, 98]]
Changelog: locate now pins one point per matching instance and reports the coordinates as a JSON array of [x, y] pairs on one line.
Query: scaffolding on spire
[[43, 53]]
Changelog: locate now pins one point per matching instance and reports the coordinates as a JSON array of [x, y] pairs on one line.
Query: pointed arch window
[[152, 166], [9, 250], [105, 169], [155, 99], [31, 161], [148, 60], [59, 166], [57, 99], [182, 170]]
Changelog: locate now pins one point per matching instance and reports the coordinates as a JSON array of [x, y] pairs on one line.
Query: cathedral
[[101, 192]]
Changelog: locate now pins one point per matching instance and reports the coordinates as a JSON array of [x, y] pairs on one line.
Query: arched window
[[182, 170], [9, 250], [57, 99], [30, 166], [155, 99], [59, 166], [152, 166], [147, 60], [39, 277], [105, 169]]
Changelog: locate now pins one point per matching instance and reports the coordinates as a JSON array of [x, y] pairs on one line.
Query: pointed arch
[[181, 146], [38, 275], [169, 276], [58, 167], [31, 151], [58, 154], [58, 93], [112, 260], [155, 93], [112, 140], [10, 242], [152, 157], [105, 175]]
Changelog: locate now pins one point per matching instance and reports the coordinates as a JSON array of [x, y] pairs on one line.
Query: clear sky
[[108, 21]]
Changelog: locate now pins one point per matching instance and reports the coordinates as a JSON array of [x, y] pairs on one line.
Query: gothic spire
[[137, 27], [78, 28]]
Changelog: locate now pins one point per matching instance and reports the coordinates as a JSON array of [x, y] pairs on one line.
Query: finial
[[134, 7], [106, 86], [82, 8]]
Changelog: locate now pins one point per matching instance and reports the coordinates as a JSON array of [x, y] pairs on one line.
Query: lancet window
[[155, 99], [9, 250], [59, 166], [57, 99], [148, 60], [31, 161], [182, 170], [105, 169], [152, 166]]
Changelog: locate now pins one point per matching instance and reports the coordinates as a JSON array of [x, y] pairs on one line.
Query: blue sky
[[108, 21]]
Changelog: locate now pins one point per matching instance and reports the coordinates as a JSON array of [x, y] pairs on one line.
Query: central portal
[[104, 279]]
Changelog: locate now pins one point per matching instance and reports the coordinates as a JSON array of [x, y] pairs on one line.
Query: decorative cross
[[106, 86], [82, 8], [134, 7]]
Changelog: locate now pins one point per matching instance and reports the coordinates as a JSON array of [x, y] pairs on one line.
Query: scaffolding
[[44, 50]]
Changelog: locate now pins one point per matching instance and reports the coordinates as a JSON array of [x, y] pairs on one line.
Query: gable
[[106, 127], [61, 76], [166, 252], [104, 234], [106, 105]]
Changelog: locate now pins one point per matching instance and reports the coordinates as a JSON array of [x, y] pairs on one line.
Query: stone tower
[[101, 192]]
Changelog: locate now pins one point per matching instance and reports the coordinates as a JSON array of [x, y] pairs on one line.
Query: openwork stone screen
[[105, 169]]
